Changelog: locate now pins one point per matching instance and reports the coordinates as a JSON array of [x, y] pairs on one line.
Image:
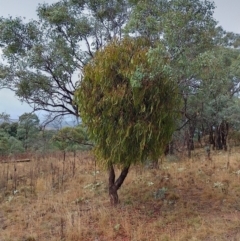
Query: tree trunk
[[169, 150], [114, 200], [218, 141], [199, 138], [224, 134], [115, 185], [190, 143]]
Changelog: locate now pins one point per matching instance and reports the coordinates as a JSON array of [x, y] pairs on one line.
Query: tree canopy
[[128, 102]]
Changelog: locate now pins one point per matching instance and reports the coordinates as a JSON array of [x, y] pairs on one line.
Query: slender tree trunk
[[218, 139], [224, 134], [115, 185], [199, 138], [190, 143]]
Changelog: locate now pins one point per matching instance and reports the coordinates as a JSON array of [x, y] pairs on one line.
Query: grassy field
[[49, 199]]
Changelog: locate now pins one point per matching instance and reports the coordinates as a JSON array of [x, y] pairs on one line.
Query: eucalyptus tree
[[43, 57], [216, 99], [187, 29], [191, 35], [128, 102]]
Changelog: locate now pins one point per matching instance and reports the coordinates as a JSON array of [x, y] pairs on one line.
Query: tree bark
[[115, 185]]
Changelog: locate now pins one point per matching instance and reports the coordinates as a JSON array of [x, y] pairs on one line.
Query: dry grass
[[193, 200]]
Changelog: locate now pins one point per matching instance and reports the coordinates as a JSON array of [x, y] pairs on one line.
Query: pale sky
[[227, 13]]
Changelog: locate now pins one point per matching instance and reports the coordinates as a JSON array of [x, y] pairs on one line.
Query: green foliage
[[28, 128], [15, 146], [9, 144], [26, 135], [180, 23], [9, 128], [42, 143], [216, 69], [128, 101], [71, 138], [4, 143]]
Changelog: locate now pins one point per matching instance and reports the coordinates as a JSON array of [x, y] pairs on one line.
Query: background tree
[[28, 128], [10, 128], [72, 139], [4, 143], [186, 28], [28, 135], [44, 57], [190, 33], [9, 144], [4, 118], [129, 103], [217, 86], [15, 146], [42, 144]]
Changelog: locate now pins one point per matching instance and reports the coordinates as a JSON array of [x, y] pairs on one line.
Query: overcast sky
[[227, 13]]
